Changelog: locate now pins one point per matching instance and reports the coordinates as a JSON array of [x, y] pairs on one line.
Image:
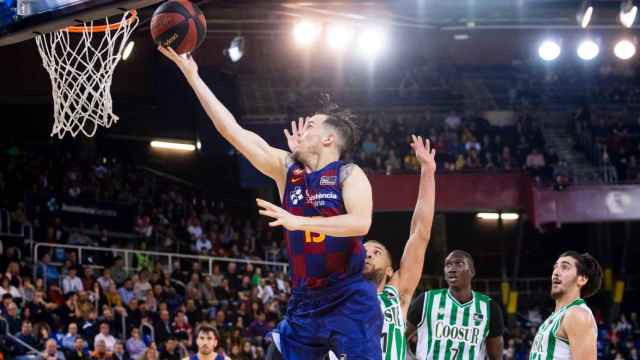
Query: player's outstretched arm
[[578, 325], [358, 201], [408, 275], [267, 159]]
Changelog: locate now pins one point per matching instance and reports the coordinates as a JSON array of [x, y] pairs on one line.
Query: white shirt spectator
[[195, 230], [11, 290], [265, 293], [141, 289], [70, 284], [453, 121], [105, 282], [109, 341], [203, 245]]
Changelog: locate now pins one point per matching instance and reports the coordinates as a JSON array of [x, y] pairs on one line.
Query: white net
[[81, 67]]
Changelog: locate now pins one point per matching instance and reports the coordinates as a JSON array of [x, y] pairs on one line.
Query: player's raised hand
[[424, 153], [185, 62], [281, 216], [293, 137]]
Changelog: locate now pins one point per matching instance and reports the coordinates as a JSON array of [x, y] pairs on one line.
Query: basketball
[[179, 24]]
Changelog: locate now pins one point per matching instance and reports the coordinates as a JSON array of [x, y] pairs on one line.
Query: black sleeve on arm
[[414, 315], [496, 320]]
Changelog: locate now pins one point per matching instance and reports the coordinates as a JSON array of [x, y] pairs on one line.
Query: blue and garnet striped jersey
[[318, 260]]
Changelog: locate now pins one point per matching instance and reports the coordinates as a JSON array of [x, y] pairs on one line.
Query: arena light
[[236, 49], [488, 216], [127, 50], [339, 36], [549, 50], [628, 12], [624, 49], [509, 216], [588, 50], [585, 14], [306, 32], [371, 41], [172, 145]]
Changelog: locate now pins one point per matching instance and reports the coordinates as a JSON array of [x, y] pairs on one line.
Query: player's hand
[[185, 62], [282, 217], [293, 137], [424, 153]]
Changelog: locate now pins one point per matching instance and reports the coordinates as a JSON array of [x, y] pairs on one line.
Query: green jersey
[[393, 340], [547, 345], [449, 330]]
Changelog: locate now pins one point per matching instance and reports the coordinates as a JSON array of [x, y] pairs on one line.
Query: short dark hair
[[388, 253], [342, 120], [205, 328], [467, 256], [588, 267]]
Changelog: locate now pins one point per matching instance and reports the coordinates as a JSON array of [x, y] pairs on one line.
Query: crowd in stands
[[612, 142], [463, 143], [110, 312]]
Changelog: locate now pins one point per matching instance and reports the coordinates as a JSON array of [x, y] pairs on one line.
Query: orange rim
[[133, 15]]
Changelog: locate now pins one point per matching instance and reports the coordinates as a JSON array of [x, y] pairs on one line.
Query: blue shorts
[[344, 318]]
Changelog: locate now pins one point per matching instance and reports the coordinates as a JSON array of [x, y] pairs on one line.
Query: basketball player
[[571, 331], [327, 207], [207, 339], [395, 289], [457, 323]]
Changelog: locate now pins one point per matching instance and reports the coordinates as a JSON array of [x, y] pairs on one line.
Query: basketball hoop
[[81, 71]]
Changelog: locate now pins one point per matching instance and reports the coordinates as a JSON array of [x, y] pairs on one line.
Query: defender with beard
[[327, 208], [571, 331], [457, 323], [395, 288], [207, 339]]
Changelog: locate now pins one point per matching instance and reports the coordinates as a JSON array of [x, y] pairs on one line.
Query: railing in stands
[[12, 337], [128, 255]]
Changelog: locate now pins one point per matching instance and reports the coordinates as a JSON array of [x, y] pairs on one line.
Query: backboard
[[21, 20]]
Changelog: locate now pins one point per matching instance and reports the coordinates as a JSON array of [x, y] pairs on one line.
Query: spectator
[[112, 296], [151, 353], [170, 351], [203, 245], [78, 352], [453, 121], [105, 280], [14, 322], [71, 282], [126, 292], [69, 340], [105, 337], [119, 352], [101, 352], [51, 352], [141, 286], [163, 327], [135, 346], [181, 327], [25, 335], [118, 272]]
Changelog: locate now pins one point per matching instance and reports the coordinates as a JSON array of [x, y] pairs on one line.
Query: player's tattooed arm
[[345, 171]]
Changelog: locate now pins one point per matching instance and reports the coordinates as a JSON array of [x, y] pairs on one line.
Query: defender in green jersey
[[395, 288], [571, 331], [457, 323]]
